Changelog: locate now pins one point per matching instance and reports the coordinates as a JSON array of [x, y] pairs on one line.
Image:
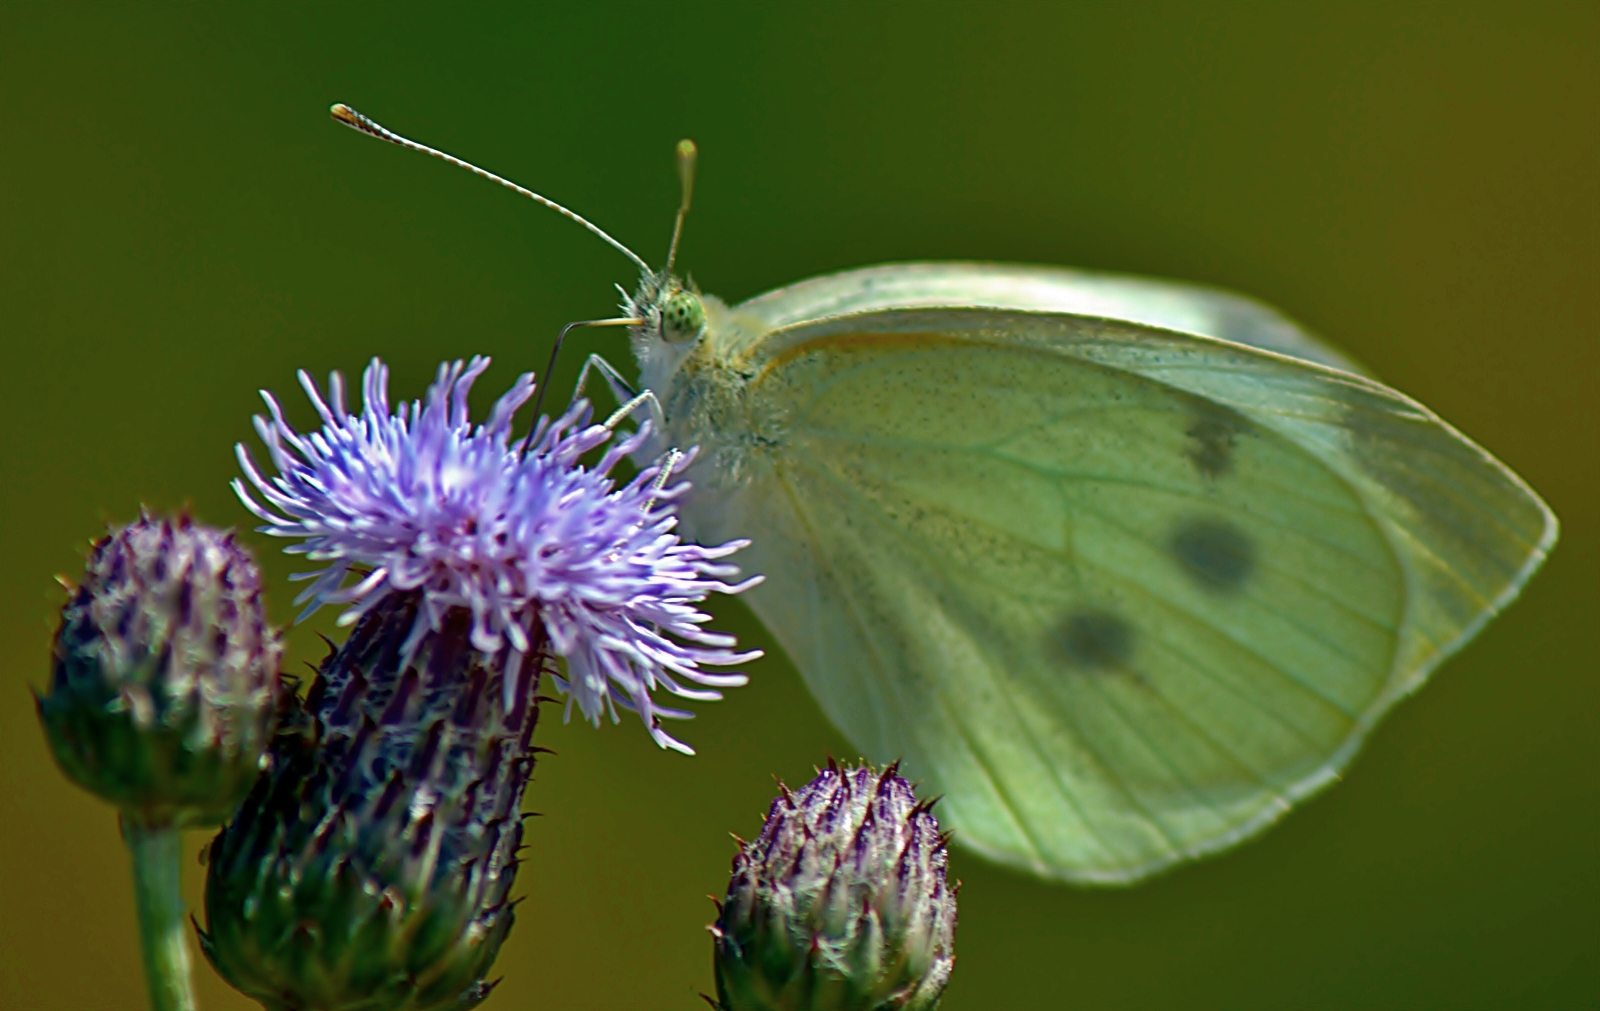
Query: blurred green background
[[181, 224]]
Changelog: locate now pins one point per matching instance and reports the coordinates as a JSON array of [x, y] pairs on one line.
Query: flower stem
[[157, 886]]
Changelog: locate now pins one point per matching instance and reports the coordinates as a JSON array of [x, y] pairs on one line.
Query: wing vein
[[974, 747]]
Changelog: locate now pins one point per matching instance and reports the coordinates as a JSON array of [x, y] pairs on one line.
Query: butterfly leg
[[623, 391], [669, 463], [631, 402], [620, 387], [657, 418]]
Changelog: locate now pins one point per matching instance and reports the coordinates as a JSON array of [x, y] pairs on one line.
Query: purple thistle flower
[[517, 531]]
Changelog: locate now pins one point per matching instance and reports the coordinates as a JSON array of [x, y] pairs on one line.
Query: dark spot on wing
[[1213, 433], [1215, 553], [1094, 639]]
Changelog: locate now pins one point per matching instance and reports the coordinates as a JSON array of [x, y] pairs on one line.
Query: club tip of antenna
[[687, 153], [344, 114]]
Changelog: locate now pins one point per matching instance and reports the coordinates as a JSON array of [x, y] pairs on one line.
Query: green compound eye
[[682, 318]]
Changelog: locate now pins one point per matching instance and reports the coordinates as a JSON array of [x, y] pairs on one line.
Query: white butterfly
[[1123, 567]]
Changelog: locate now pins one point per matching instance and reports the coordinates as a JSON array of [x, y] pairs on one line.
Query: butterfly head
[[671, 319]]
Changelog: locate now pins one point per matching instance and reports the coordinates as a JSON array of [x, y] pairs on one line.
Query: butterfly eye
[[682, 318]]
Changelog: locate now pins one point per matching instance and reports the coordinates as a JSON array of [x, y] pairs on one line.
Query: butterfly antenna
[[356, 121], [687, 153]]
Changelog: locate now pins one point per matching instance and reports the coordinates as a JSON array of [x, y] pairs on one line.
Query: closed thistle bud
[[840, 903], [165, 685], [371, 870]]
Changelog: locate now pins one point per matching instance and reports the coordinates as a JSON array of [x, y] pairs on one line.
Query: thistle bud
[[371, 870], [165, 685], [840, 903]]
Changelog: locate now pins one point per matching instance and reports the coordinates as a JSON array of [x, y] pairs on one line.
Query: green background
[[180, 224]]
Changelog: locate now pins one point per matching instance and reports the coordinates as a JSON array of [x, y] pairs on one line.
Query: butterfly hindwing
[[1123, 595]]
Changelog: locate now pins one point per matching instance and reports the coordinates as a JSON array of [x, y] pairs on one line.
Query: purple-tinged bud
[[165, 686], [371, 870], [840, 904]]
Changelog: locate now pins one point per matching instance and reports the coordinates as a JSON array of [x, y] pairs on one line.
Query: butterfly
[[1124, 568]]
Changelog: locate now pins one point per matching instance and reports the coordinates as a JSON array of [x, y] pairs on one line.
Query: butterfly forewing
[[1123, 595], [1171, 305]]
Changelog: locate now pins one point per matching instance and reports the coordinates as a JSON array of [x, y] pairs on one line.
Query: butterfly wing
[[1123, 595], [1170, 305]]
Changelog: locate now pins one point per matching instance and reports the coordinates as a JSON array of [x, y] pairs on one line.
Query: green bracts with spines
[[840, 904], [371, 870], [165, 685]]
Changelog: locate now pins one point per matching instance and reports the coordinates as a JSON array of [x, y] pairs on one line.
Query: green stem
[[157, 887]]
